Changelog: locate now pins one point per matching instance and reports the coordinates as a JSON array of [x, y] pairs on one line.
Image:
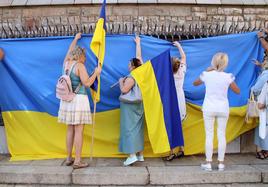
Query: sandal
[[69, 162], [180, 154], [260, 155], [170, 157], [80, 165]]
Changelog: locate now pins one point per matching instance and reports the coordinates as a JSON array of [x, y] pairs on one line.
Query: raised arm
[[138, 48], [183, 56], [85, 78], [72, 46], [264, 43]]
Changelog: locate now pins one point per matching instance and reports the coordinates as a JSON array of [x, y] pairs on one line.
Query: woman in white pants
[[216, 105]]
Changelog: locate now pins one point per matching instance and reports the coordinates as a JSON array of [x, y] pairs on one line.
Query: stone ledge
[[35, 175], [5, 3], [111, 176], [264, 171], [193, 175]]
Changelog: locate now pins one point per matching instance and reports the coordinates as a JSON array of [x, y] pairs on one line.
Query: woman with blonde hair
[[76, 113], [216, 106]]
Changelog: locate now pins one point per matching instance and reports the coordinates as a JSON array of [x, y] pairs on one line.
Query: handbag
[[133, 96], [252, 107]]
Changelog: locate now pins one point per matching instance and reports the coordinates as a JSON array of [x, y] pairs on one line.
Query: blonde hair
[[219, 61], [77, 52], [175, 64]]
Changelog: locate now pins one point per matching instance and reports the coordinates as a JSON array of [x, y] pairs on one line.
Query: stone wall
[[144, 14]]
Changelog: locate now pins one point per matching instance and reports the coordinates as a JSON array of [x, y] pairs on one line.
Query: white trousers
[[209, 120]]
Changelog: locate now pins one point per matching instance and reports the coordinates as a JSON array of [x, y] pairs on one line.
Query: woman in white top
[[179, 70], [216, 105]]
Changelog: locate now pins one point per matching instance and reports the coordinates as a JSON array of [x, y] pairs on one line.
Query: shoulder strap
[[63, 67], [71, 69]]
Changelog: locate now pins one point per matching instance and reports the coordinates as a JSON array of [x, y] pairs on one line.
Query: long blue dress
[[131, 127]]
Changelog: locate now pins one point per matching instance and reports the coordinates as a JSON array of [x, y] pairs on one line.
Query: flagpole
[[94, 114], [92, 131], [98, 87]]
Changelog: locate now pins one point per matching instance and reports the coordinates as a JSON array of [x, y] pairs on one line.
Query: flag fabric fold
[[98, 48], [156, 82]]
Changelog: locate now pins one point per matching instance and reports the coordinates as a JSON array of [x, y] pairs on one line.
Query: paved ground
[[241, 170]]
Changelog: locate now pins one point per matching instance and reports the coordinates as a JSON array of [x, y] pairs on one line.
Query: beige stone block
[[232, 2], [199, 9], [35, 175], [62, 2], [73, 11], [4, 3], [250, 10], [212, 10], [11, 13], [247, 141], [38, 2], [232, 11], [107, 1], [111, 176], [19, 2], [249, 17], [178, 1], [120, 10], [82, 1], [43, 11], [94, 10], [201, 15], [194, 175], [208, 2]]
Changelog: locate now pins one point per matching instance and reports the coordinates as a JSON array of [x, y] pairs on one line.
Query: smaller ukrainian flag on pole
[[98, 48], [156, 82]]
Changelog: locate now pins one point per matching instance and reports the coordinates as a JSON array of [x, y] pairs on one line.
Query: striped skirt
[[75, 112]]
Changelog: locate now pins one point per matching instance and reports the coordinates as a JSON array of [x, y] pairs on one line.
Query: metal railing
[[168, 31]]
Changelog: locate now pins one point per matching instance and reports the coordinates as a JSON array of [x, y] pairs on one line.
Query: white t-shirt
[[217, 84], [262, 99], [179, 79]]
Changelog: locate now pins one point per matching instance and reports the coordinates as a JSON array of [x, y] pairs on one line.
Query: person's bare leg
[[78, 142], [69, 141]]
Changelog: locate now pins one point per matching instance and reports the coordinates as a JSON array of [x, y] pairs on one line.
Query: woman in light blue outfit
[[131, 116], [262, 144]]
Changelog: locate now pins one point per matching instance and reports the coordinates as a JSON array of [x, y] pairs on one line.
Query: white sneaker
[[140, 158], [130, 160], [206, 167], [221, 167]]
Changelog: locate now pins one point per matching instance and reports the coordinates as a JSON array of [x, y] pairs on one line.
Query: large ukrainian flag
[[29, 107], [156, 82], [98, 48]]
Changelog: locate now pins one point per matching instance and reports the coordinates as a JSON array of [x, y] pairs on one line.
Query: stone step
[[148, 175], [187, 185], [35, 174]]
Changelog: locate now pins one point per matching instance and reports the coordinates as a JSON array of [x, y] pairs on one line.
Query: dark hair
[[135, 62], [175, 64]]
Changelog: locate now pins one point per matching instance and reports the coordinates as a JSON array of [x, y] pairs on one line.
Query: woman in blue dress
[[131, 115]]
